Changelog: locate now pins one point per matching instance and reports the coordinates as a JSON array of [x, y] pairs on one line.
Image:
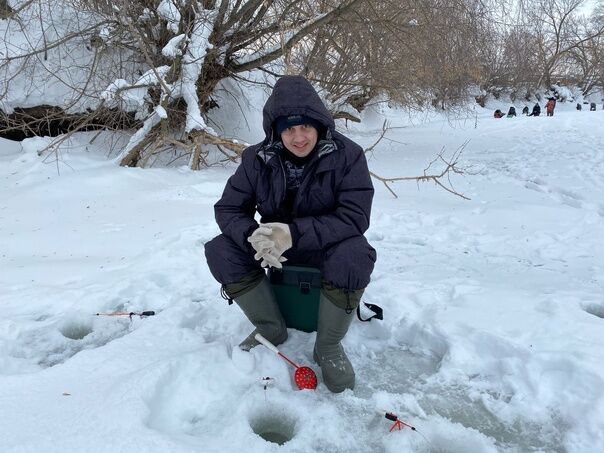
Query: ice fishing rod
[[399, 424], [130, 314]]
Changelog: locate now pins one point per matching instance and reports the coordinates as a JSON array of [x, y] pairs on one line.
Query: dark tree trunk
[[51, 121], [5, 9]]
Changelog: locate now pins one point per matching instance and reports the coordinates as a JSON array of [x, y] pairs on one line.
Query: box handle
[[305, 287]]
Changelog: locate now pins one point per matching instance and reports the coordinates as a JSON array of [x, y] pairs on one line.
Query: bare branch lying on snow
[[450, 167], [385, 128]]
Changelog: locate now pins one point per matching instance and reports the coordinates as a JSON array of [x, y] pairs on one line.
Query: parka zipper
[[303, 184], [284, 180]]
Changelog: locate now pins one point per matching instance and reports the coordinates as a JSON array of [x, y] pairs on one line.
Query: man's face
[[300, 140]]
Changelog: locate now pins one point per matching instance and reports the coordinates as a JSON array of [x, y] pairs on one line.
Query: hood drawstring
[[225, 296], [348, 308]]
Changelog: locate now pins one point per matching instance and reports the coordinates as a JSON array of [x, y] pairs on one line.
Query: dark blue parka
[[333, 203]]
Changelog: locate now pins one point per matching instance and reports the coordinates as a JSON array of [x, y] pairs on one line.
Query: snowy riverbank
[[494, 307]]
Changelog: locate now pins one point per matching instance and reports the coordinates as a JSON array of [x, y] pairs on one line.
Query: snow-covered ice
[[494, 307]]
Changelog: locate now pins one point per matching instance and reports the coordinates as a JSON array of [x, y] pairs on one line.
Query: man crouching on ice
[[312, 189]]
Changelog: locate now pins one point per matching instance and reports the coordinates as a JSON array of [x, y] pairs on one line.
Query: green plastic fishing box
[[297, 290]]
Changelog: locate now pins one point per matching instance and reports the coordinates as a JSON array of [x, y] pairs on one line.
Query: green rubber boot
[[260, 307], [332, 326]]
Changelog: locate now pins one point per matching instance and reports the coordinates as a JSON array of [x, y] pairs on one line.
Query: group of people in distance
[[549, 108], [592, 106], [550, 105]]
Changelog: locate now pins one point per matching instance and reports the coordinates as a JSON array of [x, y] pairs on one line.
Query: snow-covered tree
[[158, 60]]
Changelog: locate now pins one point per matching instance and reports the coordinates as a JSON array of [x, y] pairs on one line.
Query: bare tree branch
[[304, 31], [450, 167]]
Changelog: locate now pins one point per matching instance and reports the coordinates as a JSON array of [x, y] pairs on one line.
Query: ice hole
[[595, 309], [274, 426], [76, 331]]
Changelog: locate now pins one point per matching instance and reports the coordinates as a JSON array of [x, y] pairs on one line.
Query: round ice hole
[[595, 309], [274, 426], [75, 331]]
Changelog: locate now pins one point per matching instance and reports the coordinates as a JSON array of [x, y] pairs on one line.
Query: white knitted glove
[[271, 240]]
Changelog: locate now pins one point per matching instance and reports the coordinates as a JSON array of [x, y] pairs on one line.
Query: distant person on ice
[[536, 110], [550, 106], [512, 112], [498, 114], [525, 110], [313, 191], [592, 107], [579, 106]]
